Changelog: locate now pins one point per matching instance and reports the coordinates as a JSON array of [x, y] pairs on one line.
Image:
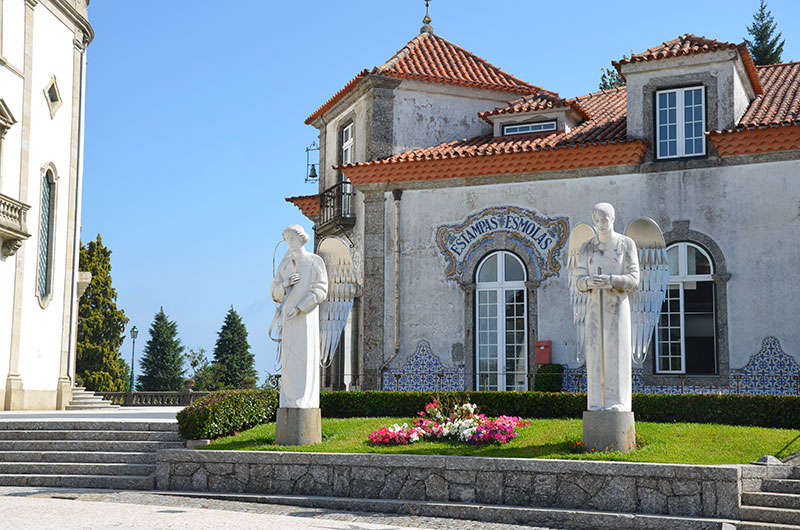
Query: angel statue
[[617, 285], [300, 286]]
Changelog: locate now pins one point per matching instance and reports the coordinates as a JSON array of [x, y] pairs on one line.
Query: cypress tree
[[765, 48], [100, 323], [162, 360], [232, 352]]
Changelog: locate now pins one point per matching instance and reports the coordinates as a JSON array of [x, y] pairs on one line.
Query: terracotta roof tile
[[431, 58], [534, 102], [757, 140], [308, 204], [606, 127], [689, 44], [780, 102]]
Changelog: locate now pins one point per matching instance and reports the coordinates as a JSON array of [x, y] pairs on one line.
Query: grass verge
[[677, 443]]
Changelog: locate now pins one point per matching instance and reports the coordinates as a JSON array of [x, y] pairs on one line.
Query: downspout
[[73, 324], [397, 195]]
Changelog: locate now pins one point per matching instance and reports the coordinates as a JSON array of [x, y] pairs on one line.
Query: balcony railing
[[152, 399], [12, 224], [338, 205]]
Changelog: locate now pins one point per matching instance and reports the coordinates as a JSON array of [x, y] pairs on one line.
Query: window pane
[[697, 263], [488, 272], [513, 269], [672, 257], [45, 235]]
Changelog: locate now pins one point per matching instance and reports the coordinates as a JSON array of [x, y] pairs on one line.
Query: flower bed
[[462, 424]]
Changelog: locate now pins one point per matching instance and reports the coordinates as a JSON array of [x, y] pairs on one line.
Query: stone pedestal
[[609, 430], [298, 426], [63, 393]]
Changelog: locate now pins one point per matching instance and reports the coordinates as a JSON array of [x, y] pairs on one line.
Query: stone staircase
[[776, 506], [85, 400], [83, 454]]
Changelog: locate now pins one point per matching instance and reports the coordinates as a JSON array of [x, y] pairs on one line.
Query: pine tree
[[764, 48], [100, 323], [162, 359], [232, 352]]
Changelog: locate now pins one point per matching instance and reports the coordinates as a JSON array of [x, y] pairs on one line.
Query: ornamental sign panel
[[543, 238]]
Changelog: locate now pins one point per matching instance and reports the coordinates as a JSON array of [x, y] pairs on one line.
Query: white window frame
[[347, 143], [680, 122], [500, 287], [680, 280], [530, 127]]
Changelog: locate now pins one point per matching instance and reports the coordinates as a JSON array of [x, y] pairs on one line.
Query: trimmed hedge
[[227, 412], [549, 382]]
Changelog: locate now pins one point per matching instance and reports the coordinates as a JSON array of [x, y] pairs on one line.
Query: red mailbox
[[544, 351]]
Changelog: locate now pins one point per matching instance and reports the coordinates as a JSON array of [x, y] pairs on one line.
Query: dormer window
[[527, 128], [680, 122], [347, 144]]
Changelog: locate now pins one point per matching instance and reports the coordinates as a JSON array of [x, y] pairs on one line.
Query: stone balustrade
[[13, 230], [668, 489]]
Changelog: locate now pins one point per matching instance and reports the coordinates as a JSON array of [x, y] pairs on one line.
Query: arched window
[[44, 285], [686, 334], [501, 323]]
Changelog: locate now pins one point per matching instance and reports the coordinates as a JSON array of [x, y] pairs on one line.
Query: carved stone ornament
[[543, 238]]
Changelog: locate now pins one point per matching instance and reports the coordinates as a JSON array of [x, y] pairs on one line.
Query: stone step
[[123, 482], [751, 525], [60, 468], [781, 485], [85, 457], [773, 500], [164, 436], [88, 425], [520, 515], [91, 406], [770, 515], [87, 445]]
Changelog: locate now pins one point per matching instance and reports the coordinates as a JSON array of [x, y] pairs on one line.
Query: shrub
[[549, 378], [226, 412]]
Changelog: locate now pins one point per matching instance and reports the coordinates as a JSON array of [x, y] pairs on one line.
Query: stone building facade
[[42, 79], [461, 243]]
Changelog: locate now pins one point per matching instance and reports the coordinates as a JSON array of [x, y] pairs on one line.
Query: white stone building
[[42, 78], [461, 243]]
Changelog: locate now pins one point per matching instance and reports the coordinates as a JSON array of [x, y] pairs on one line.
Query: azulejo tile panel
[[424, 372], [771, 371]]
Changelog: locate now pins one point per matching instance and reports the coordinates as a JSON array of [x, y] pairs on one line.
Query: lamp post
[[134, 334]]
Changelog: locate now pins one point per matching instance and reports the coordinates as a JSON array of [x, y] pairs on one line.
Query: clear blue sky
[[195, 111]]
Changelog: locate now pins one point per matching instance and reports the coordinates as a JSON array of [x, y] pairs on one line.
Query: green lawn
[[684, 443]]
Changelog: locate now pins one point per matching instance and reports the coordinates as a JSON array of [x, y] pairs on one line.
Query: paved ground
[[76, 509], [120, 414]]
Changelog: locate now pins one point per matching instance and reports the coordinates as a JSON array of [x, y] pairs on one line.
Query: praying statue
[[607, 269], [300, 286]]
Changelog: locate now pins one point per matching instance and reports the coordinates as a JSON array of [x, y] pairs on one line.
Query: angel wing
[[646, 300], [579, 235], [335, 310]]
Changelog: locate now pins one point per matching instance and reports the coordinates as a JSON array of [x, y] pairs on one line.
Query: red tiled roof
[[431, 58], [308, 204], [689, 44], [772, 121], [534, 102], [604, 132]]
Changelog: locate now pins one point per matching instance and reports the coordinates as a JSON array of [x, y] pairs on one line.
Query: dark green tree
[[100, 323], [162, 360], [766, 47], [611, 78], [232, 352]]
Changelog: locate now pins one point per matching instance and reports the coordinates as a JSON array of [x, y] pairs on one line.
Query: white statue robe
[[618, 258], [300, 346]]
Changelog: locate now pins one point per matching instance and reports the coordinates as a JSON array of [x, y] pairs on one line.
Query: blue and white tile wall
[[770, 371], [424, 372]]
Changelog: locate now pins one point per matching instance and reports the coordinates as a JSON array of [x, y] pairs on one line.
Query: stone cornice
[[76, 11]]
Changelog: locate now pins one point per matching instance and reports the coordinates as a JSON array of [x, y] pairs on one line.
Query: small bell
[[312, 173]]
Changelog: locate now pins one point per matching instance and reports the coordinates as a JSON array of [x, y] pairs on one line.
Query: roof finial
[[426, 22]]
